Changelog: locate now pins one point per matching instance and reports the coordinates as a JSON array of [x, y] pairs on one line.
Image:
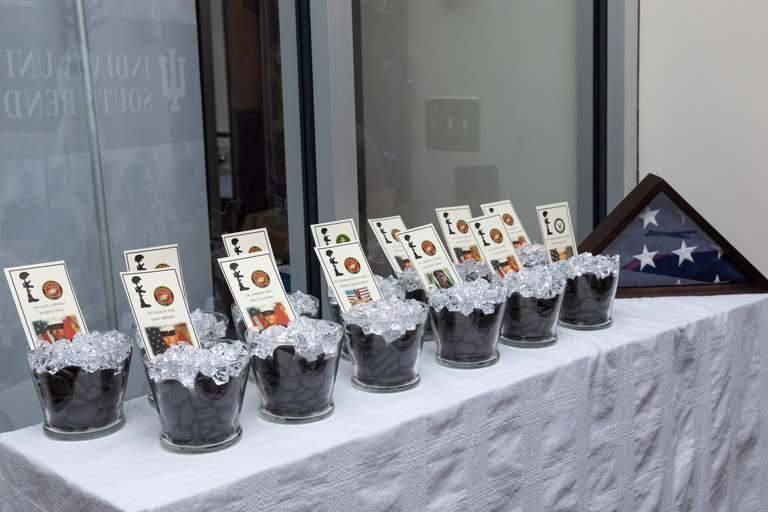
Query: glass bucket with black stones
[[467, 341], [588, 301], [294, 388], [381, 365], [206, 416], [80, 402], [530, 322]]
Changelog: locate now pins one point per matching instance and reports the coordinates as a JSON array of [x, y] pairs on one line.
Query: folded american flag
[[663, 247]]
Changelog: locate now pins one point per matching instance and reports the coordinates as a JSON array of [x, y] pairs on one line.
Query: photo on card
[[247, 242], [463, 254], [561, 253], [358, 295], [403, 263], [502, 267], [61, 326], [163, 336], [266, 315], [45, 301], [441, 278]]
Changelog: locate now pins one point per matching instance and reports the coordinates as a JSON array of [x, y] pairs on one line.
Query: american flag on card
[[663, 247], [358, 295]]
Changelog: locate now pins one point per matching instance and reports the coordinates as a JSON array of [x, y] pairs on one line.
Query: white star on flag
[[717, 279], [718, 249], [684, 253], [646, 258], [649, 216]]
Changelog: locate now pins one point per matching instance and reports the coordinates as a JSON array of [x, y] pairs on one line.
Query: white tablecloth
[[665, 410]]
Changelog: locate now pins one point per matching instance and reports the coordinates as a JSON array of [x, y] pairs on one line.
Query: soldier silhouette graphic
[[238, 275], [546, 222], [326, 238], [412, 246], [383, 232], [140, 291], [448, 223], [139, 259], [234, 243], [24, 276], [333, 262], [481, 233]]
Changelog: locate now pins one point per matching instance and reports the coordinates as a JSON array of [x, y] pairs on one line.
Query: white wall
[[703, 111]]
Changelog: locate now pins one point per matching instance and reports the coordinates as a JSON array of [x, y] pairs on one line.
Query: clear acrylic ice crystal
[[303, 303], [91, 351], [532, 254], [472, 269], [540, 281], [182, 362], [469, 295], [586, 263], [409, 280], [309, 337], [389, 319], [208, 326], [390, 287]]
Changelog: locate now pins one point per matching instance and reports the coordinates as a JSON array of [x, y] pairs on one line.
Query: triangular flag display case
[[667, 248]]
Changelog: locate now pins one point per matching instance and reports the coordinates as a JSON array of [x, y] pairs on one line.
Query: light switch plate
[[453, 123]]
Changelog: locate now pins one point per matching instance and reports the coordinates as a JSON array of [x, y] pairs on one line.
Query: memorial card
[[557, 230], [348, 274], [454, 222], [46, 302], [386, 230], [512, 224], [494, 242], [432, 262], [162, 256], [258, 290], [246, 242], [334, 233], [158, 306]]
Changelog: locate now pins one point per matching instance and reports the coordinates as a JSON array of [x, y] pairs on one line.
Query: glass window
[[469, 103], [157, 180]]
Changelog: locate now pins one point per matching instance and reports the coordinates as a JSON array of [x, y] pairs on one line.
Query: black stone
[[530, 318], [418, 294], [381, 364], [75, 400], [293, 387], [466, 338], [588, 300]]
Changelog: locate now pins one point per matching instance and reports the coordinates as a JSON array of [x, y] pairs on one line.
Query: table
[[665, 410]]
